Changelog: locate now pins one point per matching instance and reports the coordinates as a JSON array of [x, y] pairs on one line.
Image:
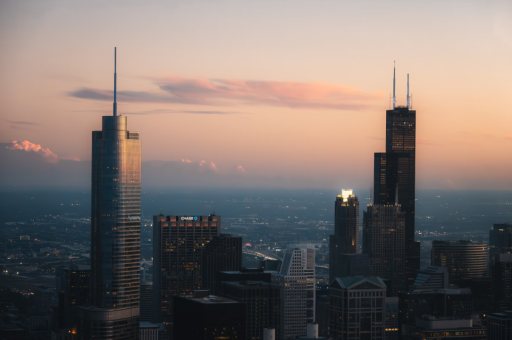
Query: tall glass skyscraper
[[115, 232]]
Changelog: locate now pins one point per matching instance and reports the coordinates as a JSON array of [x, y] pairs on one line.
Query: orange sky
[[295, 90]]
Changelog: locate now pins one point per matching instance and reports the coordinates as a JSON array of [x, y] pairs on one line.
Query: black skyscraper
[[395, 174]]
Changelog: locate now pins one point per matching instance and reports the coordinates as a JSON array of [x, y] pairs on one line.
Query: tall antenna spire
[[394, 97], [408, 102], [115, 81]]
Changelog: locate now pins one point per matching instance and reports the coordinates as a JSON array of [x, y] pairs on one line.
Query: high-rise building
[[115, 231], [261, 301], [358, 308], [354, 265], [178, 244], [207, 317], [481, 288], [297, 289], [75, 293], [500, 239], [146, 301], [463, 259], [392, 318], [499, 325], [244, 274], [223, 252], [501, 281], [346, 231], [383, 241], [395, 174]]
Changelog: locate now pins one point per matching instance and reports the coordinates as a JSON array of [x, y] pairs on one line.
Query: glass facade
[[115, 215]]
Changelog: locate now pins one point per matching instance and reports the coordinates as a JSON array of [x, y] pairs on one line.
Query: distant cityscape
[[386, 262]]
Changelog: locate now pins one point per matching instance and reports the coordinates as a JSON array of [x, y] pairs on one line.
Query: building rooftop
[[350, 281], [212, 299]]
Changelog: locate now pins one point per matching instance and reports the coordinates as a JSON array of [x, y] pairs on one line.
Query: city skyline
[[233, 107]]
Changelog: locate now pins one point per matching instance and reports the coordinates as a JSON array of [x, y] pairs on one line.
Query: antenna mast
[[408, 102], [115, 80], [394, 97]]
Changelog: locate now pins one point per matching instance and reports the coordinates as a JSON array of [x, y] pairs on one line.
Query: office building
[[499, 325], [146, 301], [322, 311], [312, 333], [431, 278], [43, 298], [207, 317], [500, 239], [430, 327], [261, 302], [346, 231], [270, 265], [148, 331], [244, 274], [358, 308], [297, 290], [455, 303], [463, 259], [384, 243], [75, 284], [392, 318], [115, 231], [354, 265], [178, 244], [481, 288], [223, 252], [501, 281], [395, 174]]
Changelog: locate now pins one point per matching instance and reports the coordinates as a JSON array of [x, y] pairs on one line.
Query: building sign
[[188, 218]]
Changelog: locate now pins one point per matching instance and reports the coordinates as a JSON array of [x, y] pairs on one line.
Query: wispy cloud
[[48, 155], [22, 123], [160, 111], [228, 92]]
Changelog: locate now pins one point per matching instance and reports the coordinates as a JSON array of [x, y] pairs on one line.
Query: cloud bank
[[229, 92], [47, 155]]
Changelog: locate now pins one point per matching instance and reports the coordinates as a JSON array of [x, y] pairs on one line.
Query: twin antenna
[[409, 106], [115, 80]]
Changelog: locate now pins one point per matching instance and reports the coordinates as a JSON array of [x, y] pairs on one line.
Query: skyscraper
[[346, 231], [178, 244], [500, 239], [383, 241], [395, 174], [115, 231], [501, 281], [297, 283]]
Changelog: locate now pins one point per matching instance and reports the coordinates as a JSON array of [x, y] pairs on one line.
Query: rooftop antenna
[[115, 81], [394, 97], [408, 101]]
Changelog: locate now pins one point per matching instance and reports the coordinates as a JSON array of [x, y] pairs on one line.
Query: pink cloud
[[226, 92], [213, 166], [240, 168], [201, 163], [184, 160], [48, 156]]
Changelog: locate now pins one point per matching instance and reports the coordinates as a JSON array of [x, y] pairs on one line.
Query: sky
[[257, 93]]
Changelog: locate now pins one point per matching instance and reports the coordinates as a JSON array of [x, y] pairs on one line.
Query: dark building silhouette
[[358, 308], [392, 319], [115, 231], [481, 288], [431, 278], [146, 301], [463, 259], [395, 177], [354, 265], [384, 243], [178, 244], [75, 285], [244, 274], [322, 311], [501, 278], [430, 327], [208, 317], [500, 239], [261, 301], [456, 303], [346, 231], [223, 252], [499, 325]]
